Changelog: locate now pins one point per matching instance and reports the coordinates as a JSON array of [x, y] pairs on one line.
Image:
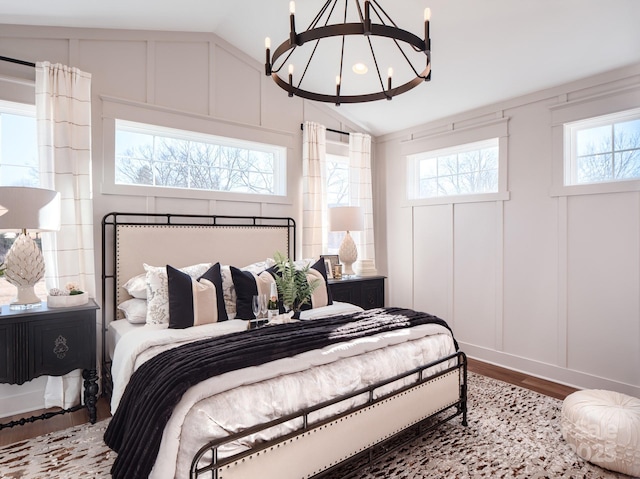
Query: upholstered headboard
[[131, 239]]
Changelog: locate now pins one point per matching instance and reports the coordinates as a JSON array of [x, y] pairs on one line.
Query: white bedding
[[233, 401]]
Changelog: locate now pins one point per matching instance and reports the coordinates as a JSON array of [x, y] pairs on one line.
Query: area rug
[[512, 433]]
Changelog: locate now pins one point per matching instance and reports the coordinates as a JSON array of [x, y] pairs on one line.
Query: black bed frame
[[352, 464], [355, 464]]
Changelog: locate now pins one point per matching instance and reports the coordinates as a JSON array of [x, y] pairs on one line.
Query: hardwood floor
[[57, 423], [542, 386]]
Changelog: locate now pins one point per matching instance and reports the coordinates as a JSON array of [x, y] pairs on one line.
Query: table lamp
[[28, 209], [347, 218]]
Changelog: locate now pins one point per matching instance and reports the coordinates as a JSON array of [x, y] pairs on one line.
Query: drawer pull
[[61, 347]]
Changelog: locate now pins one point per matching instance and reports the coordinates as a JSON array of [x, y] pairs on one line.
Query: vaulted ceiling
[[483, 51]]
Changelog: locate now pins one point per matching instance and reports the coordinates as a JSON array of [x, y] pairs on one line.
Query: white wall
[[544, 281], [180, 80]]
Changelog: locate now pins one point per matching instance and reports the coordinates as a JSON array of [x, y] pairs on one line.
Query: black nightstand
[[49, 341], [364, 291]]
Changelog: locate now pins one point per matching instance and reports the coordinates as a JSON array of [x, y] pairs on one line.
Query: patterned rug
[[512, 433]]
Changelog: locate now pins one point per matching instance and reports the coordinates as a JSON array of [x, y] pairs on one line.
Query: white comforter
[[233, 401]]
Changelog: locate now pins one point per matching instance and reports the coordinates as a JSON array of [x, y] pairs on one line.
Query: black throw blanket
[[135, 431]]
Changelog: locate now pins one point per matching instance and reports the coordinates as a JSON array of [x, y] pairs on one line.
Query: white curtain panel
[[361, 191], [63, 113], [314, 190]]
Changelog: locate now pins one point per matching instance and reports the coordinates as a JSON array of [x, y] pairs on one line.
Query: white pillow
[[137, 286], [135, 310], [158, 290], [228, 291]]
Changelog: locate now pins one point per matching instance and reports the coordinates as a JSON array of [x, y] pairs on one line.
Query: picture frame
[[333, 260], [328, 268]]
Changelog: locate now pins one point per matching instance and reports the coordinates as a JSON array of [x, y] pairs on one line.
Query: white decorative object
[[347, 218], [68, 300], [33, 209], [603, 427]]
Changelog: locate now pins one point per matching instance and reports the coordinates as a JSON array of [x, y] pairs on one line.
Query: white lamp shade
[[34, 209], [346, 218]]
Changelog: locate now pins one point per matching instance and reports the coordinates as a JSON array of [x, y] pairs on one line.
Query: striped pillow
[[193, 302]]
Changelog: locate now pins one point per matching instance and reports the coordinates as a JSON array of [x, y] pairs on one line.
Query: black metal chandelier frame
[[365, 27]]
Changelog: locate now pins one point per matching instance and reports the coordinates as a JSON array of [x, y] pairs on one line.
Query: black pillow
[[246, 288]]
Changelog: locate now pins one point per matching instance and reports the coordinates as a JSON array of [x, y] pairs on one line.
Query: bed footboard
[[316, 449]]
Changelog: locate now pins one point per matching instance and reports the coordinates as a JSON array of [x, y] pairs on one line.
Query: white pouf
[[603, 427]]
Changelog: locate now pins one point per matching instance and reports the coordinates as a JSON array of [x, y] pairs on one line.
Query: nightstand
[[49, 341], [364, 291]]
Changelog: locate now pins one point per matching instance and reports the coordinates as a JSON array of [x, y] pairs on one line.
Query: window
[[18, 167], [337, 178], [18, 145], [603, 149], [148, 155], [461, 170]]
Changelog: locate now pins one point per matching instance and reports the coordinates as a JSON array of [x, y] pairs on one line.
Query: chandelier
[[357, 39]]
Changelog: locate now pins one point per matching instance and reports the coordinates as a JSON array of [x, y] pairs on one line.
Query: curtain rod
[[329, 129], [19, 62]]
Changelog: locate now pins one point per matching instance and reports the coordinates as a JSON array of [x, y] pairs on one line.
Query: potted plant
[[294, 289]]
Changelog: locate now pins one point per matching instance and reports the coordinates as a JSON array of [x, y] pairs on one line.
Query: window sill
[[448, 200], [596, 188], [161, 192]]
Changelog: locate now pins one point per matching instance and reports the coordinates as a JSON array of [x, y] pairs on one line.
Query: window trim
[[570, 130], [453, 135], [131, 111], [593, 106]]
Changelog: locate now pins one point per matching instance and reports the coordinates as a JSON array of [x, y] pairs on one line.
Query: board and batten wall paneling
[[475, 260], [548, 282], [603, 285], [237, 88], [119, 68], [174, 89], [433, 260]]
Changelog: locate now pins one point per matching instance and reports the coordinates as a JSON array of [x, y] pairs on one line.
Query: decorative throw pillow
[[158, 290], [135, 310], [229, 291], [192, 302], [228, 288], [137, 286], [247, 284], [321, 296]]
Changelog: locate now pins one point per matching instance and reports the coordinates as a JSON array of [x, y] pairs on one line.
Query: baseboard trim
[[550, 372]]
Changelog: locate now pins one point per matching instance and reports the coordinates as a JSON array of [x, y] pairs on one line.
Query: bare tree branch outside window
[[469, 171], [197, 165], [608, 153]]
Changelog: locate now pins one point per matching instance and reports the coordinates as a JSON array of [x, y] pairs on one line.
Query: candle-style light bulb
[[427, 19], [337, 79], [267, 43], [292, 23]]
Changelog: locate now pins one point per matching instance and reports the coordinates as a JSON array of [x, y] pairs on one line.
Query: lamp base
[[26, 299], [348, 254], [25, 267]]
